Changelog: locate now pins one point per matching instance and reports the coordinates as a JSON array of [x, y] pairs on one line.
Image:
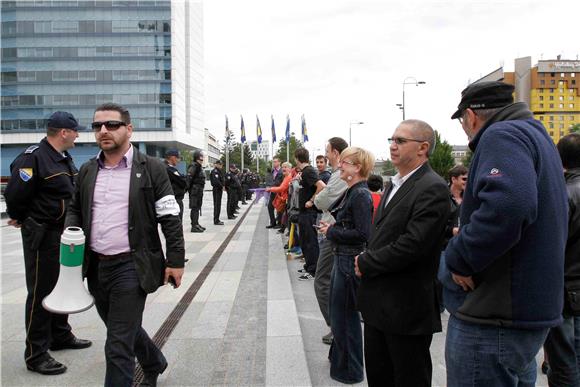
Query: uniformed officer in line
[[195, 184], [177, 180], [232, 186], [37, 196], [217, 182], [245, 180]]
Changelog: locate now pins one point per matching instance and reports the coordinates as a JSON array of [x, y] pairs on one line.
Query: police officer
[[177, 180], [217, 182], [196, 183], [232, 186], [37, 196], [245, 180]]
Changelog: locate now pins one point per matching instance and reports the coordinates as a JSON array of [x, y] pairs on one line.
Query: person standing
[[321, 166], [277, 179], [508, 257], [37, 196], [397, 296], [120, 199], [196, 183], [348, 236], [231, 184], [216, 178], [334, 189], [177, 180]]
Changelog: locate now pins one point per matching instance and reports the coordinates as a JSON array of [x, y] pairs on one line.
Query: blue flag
[[287, 129], [258, 130], [243, 131], [304, 130], [273, 131], [227, 127]]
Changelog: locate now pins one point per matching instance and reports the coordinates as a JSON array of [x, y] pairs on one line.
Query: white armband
[[167, 205]]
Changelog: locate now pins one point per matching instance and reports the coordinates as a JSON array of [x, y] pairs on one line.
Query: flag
[[243, 131], [304, 130], [227, 128], [273, 131], [258, 130], [287, 129]]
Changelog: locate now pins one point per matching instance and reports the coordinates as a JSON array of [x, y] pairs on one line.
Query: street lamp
[[413, 82], [350, 130]]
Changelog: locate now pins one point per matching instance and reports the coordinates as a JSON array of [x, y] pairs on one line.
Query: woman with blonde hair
[[348, 235]]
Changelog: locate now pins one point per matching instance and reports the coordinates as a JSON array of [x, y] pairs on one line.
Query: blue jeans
[[120, 302], [559, 348], [486, 355], [346, 351]]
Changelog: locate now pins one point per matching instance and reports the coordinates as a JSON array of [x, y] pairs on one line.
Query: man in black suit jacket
[[397, 296]]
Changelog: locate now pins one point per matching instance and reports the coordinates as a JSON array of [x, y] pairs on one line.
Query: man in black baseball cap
[[63, 120]]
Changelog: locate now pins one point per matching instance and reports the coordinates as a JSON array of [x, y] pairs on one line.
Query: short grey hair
[[486, 114], [287, 164], [425, 132]]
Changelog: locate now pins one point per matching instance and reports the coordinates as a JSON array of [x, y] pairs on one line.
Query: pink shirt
[[110, 225]]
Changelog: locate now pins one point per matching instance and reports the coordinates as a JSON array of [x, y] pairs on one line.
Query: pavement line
[[165, 330]]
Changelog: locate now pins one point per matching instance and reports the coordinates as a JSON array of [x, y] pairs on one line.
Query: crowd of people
[[496, 245]]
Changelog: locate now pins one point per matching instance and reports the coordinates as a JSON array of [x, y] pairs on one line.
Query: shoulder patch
[[25, 174], [31, 149]]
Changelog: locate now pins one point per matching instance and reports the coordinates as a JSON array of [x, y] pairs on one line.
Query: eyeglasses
[[346, 162], [110, 125], [402, 140]]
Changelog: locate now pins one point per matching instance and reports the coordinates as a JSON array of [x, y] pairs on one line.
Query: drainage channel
[[163, 333]]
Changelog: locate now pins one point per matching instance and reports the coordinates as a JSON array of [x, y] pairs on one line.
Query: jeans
[[486, 355], [120, 302], [322, 280], [309, 240], [346, 351], [559, 348]]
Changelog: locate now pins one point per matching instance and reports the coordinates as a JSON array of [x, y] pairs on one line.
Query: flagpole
[[227, 145], [242, 150]]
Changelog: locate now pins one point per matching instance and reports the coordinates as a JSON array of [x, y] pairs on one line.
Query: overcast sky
[[339, 61]]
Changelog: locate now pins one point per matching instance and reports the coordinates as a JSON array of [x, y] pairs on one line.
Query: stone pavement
[[250, 324]]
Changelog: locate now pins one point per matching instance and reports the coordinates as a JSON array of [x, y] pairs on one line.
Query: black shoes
[[232, 217], [48, 366], [328, 338], [74, 343], [196, 228], [150, 378], [270, 226], [219, 223], [203, 228]]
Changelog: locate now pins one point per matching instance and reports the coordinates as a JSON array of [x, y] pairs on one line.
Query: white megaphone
[[70, 295]]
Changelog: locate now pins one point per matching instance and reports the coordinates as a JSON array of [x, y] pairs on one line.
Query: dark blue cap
[[63, 120], [172, 152], [484, 95]]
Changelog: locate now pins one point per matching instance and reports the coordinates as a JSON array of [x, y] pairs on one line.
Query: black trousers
[[397, 360], [232, 201], [180, 203], [217, 204], [120, 301], [195, 202], [309, 240], [42, 267], [271, 212]]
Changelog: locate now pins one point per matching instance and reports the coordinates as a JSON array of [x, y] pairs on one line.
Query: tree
[[235, 156], [466, 161], [388, 168], [442, 159], [575, 128], [294, 144]]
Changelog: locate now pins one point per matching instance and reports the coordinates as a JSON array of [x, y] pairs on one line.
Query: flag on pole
[[304, 130], [273, 131], [227, 127], [287, 129], [243, 131], [258, 130]]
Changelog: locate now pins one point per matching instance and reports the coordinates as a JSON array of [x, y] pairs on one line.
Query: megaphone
[[70, 295]]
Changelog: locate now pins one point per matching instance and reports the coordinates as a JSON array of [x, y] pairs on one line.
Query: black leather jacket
[[353, 213], [572, 263], [195, 179]]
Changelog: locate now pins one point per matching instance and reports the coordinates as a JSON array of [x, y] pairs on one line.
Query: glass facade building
[[74, 55]]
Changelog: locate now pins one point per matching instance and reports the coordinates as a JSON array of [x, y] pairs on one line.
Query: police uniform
[[196, 183], [179, 185], [37, 196], [232, 186], [217, 182]]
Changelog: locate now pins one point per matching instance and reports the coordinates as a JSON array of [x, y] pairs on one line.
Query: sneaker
[[306, 277], [327, 339], [302, 271], [295, 250]]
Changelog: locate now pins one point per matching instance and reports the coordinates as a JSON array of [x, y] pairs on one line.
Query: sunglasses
[[110, 125], [402, 140]]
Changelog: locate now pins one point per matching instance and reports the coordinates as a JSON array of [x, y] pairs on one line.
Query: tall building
[[213, 152], [262, 150], [74, 55], [551, 88]]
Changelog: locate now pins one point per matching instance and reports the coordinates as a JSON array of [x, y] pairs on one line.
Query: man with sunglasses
[[507, 261], [37, 196], [120, 199]]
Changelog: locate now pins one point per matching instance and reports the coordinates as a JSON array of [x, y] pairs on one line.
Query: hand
[[309, 204], [465, 282], [356, 269], [323, 229], [176, 273], [455, 231], [14, 223], [268, 189]]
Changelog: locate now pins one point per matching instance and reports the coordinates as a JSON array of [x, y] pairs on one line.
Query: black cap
[[484, 95], [63, 120], [172, 152], [233, 166]]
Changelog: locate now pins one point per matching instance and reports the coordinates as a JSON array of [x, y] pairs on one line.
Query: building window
[[571, 106], [551, 125], [541, 118], [551, 90], [561, 98], [541, 97], [561, 90], [561, 127], [562, 75], [551, 133], [551, 98], [561, 118], [541, 105], [551, 118], [561, 106], [540, 90], [542, 82], [551, 105], [552, 82], [573, 75]]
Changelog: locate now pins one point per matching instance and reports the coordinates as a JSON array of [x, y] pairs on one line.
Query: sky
[[343, 61]]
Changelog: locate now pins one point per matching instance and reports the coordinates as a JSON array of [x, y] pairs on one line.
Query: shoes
[[281, 231], [232, 217], [49, 366], [203, 228], [545, 367], [150, 378], [186, 260], [286, 246], [196, 229], [244, 203], [278, 226], [295, 250], [306, 277], [327, 339], [219, 223], [270, 226], [302, 271], [74, 343]]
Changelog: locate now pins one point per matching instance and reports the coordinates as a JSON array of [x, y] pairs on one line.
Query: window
[[551, 98], [90, 75], [9, 52], [65, 76], [66, 99], [551, 118], [541, 97], [561, 90], [103, 26], [104, 51], [87, 100], [552, 82], [42, 27], [572, 75], [561, 98], [570, 98], [571, 106], [27, 100], [541, 118], [551, 90], [65, 52], [540, 90], [9, 76], [562, 75], [551, 105], [551, 125], [541, 105], [87, 51], [65, 26], [26, 76], [104, 75], [551, 133], [44, 76], [542, 82], [561, 126], [87, 26], [561, 106], [571, 118], [25, 27], [561, 118], [9, 28]]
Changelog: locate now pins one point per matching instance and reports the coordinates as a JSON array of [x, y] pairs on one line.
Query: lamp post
[[350, 130], [413, 81]]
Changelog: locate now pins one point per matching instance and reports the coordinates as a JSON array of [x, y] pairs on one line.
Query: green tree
[[575, 128], [441, 160], [294, 144], [236, 155], [388, 168], [466, 161]]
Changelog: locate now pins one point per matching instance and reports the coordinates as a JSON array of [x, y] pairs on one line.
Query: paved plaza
[[250, 323]]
